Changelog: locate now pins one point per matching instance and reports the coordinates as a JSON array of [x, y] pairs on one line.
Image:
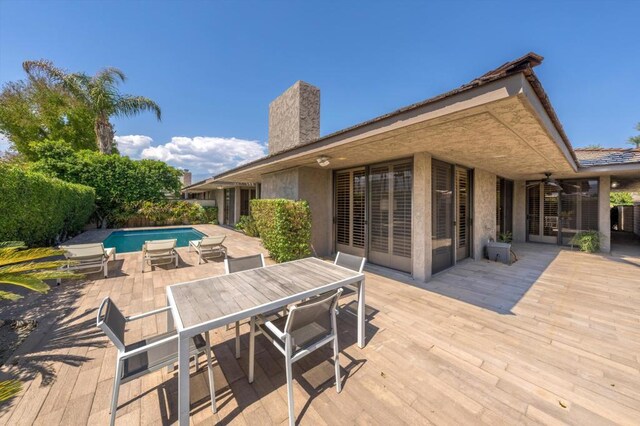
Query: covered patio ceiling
[[501, 127]]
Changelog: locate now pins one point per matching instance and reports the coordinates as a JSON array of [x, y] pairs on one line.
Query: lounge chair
[[209, 245], [159, 252], [148, 355], [308, 326], [88, 256]]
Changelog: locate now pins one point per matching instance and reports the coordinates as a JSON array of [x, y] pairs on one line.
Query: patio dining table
[[209, 303]]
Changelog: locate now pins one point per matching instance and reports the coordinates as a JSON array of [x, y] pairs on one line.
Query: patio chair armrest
[[276, 332], [147, 314], [145, 348]]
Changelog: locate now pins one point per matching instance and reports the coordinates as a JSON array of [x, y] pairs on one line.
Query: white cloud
[[133, 145], [203, 156]]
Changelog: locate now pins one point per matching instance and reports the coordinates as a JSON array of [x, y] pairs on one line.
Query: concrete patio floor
[[552, 339]]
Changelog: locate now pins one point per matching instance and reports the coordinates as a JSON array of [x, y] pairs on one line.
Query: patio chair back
[[160, 246], [312, 320], [112, 322], [244, 263], [349, 261], [212, 241], [84, 252]]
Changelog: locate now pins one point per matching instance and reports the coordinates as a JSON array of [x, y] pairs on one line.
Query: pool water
[[128, 241]]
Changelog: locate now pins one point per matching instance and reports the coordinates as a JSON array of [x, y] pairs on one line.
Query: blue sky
[[214, 66]]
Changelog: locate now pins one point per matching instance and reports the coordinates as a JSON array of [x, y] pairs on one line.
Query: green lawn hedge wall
[[284, 227], [40, 210]]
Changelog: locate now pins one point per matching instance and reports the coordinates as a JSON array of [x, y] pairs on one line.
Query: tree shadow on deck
[[60, 331]]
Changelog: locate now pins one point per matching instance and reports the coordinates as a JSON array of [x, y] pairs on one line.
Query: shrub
[[148, 213], [284, 227], [587, 241], [40, 210], [119, 182], [248, 225]]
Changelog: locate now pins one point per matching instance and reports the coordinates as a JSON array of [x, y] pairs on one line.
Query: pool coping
[[99, 235]]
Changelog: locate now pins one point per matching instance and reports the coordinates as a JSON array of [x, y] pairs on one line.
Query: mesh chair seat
[[156, 356], [301, 338]]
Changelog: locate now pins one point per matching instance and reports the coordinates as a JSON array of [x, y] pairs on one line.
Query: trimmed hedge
[[148, 213], [40, 210], [284, 227]]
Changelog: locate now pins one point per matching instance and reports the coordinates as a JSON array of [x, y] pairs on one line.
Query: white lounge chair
[[308, 326], [88, 256], [209, 245], [146, 356], [159, 252]]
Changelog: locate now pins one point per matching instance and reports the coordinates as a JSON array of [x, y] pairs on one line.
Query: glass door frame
[[350, 249]]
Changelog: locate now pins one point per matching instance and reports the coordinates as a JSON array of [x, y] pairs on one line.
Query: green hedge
[[40, 210], [284, 227], [148, 213]]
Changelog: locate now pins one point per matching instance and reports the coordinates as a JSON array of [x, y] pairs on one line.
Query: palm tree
[[635, 140], [99, 93], [17, 267]]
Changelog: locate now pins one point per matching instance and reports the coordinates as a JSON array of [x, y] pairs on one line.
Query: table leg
[[183, 380], [361, 314]]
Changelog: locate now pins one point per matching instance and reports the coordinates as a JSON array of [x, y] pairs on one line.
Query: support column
[[604, 217], [484, 210], [421, 217], [519, 211]]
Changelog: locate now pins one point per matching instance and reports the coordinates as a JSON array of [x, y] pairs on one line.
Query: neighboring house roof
[[591, 157], [523, 64], [213, 183]]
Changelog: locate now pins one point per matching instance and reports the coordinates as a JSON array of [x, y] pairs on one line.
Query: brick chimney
[[294, 117], [186, 178]]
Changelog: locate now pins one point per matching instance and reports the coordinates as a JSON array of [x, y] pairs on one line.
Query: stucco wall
[[484, 203], [294, 117], [282, 184], [421, 217], [519, 211], [315, 186], [219, 196], [604, 215]]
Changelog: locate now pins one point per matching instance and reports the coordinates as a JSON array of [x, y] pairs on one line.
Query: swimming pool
[[128, 241]]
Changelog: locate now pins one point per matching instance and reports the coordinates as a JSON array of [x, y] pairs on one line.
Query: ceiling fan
[[548, 180]]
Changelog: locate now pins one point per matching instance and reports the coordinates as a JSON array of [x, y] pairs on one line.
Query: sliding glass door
[[556, 213], [350, 211]]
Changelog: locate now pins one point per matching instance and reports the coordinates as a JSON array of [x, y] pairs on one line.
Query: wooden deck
[[553, 339]]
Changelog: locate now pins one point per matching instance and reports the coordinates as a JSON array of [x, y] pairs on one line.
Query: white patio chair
[[162, 252], [88, 256], [209, 245], [349, 261], [307, 327], [148, 355], [239, 264]]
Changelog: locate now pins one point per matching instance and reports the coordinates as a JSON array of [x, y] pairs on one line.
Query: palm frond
[[44, 68], [32, 266], [12, 244], [10, 256], [110, 76], [128, 106], [26, 281], [9, 389]]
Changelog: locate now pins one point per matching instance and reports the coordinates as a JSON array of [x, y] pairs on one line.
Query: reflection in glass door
[[543, 212]]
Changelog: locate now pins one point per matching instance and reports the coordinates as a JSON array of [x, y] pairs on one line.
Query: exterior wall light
[[323, 161]]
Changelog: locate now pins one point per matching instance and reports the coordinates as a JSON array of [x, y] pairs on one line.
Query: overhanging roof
[[213, 183]]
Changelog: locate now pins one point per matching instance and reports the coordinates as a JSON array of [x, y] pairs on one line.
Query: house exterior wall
[[282, 184], [519, 211], [421, 217], [315, 186], [604, 215], [219, 196], [484, 208]]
